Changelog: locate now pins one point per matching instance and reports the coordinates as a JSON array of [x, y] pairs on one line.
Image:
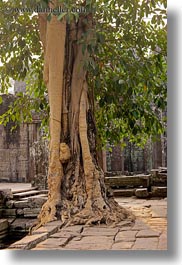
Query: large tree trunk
[[77, 194]]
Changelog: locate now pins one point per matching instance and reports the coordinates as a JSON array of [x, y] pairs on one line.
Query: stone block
[[50, 230], [91, 243], [5, 176], [5, 194], [22, 225], [163, 242], [124, 192], [140, 225], [29, 242], [147, 233], [53, 243], [10, 204], [21, 204], [128, 181], [36, 202], [142, 193], [99, 231], [3, 224], [20, 212], [122, 246], [146, 244], [75, 228], [31, 212], [5, 166], [159, 191], [159, 211], [4, 155], [8, 212], [23, 154], [126, 236]]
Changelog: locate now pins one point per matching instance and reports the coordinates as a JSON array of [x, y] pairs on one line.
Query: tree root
[[47, 214], [109, 216]]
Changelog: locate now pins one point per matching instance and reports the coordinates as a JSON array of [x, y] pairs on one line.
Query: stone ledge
[[29, 242]]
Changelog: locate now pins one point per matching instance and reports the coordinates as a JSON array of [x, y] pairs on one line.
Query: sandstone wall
[[15, 148]]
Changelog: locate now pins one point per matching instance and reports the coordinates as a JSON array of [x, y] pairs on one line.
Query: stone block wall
[[15, 147]]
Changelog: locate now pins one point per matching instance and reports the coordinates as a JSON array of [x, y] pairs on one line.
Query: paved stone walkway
[[148, 233]]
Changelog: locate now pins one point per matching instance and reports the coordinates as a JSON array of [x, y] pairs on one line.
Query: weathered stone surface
[[147, 233], [122, 246], [58, 224], [3, 224], [99, 231], [21, 187], [159, 177], [159, 191], [91, 243], [3, 235], [140, 225], [72, 238], [37, 202], [46, 229], [127, 236], [124, 192], [5, 194], [26, 194], [29, 212], [146, 244], [20, 212], [162, 242], [128, 181], [22, 225], [75, 228], [53, 243], [29, 242], [124, 223], [159, 224], [10, 204], [159, 211], [66, 234], [142, 193], [8, 212], [21, 204]]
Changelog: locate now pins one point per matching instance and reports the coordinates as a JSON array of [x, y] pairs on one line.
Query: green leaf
[[62, 15]]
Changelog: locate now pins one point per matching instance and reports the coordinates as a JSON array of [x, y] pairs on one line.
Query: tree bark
[[77, 194]]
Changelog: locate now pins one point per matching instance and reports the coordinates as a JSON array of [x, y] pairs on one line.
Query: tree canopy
[[126, 67]]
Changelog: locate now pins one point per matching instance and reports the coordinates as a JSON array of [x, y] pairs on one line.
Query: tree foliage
[[127, 64]]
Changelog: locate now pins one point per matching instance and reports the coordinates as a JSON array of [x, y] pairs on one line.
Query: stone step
[[24, 190], [142, 193], [33, 197], [159, 191], [26, 194], [128, 181], [124, 192]]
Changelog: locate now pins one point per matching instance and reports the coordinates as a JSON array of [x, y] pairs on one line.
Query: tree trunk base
[[76, 208]]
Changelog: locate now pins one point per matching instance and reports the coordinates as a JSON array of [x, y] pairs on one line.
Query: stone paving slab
[[52, 243], [148, 232], [91, 243], [162, 242], [126, 236], [122, 246], [150, 243], [159, 211], [29, 242], [99, 231]]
